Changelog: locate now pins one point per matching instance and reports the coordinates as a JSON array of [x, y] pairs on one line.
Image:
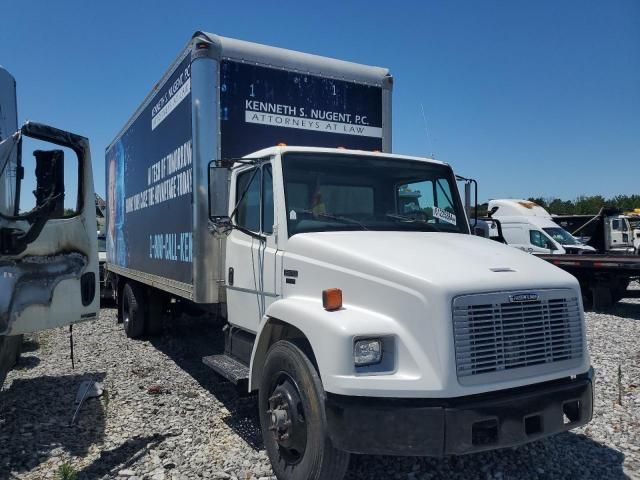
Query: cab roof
[[278, 150], [518, 207]]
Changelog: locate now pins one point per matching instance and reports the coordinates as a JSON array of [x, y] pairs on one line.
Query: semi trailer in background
[[603, 266], [531, 228], [48, 251], [258, 184]]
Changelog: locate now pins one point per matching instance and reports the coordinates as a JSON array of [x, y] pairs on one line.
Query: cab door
[[48, 244], [541, 243], [251, 247]]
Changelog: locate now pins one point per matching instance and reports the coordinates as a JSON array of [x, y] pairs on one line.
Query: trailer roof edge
[[299, 61]]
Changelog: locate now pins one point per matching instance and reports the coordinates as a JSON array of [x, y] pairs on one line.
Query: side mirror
[[218, 191]]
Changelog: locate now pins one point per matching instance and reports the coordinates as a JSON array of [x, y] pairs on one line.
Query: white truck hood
[[403, 285], [456, 262]]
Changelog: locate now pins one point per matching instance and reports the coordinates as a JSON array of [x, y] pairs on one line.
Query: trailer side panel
[[149, 185]]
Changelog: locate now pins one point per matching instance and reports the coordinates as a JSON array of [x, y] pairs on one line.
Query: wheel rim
[[286, 419]]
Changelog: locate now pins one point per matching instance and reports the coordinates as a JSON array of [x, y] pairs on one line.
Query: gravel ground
[[164, 415]]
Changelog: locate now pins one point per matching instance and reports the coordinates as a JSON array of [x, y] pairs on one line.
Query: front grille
[[493, 334]]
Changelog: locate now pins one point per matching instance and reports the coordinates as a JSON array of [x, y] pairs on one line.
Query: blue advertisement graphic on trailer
[[149, 185]]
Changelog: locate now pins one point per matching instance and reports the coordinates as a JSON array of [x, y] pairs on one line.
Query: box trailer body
[[223, 98], [353, 291]]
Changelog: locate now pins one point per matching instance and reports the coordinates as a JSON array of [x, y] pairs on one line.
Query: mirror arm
[[222, 228], [257, 236]]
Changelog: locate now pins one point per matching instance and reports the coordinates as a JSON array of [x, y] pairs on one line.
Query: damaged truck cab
[[48, 254]]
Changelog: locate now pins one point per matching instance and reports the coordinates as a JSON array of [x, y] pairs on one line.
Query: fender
[[330, 335]]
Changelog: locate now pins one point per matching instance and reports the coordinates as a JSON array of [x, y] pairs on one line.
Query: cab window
[[248, 215], [538, 239], [255, 210], [267, 200]]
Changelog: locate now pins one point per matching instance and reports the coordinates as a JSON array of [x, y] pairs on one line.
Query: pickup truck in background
[[356, 302], [48, 249]]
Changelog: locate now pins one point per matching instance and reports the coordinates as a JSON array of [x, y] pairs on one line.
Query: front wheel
[[292, 418]]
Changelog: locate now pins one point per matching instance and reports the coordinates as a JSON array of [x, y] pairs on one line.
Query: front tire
[[292, 418], [132, 311]]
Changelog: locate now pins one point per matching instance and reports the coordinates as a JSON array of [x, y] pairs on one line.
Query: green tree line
[[583, 205], [587, 205]]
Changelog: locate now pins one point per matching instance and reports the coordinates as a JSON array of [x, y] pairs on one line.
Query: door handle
[[230, 276]]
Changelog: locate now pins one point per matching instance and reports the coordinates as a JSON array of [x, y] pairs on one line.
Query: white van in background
[[529, 227]]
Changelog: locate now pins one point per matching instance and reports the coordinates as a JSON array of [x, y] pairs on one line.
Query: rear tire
[[132, 311], [297, 444], [10, 348]]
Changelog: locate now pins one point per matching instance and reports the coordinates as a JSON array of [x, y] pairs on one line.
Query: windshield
[[561, 236], [327, 192]]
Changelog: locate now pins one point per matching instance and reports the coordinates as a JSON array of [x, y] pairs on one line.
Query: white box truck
[[357, 303], [48, 254]]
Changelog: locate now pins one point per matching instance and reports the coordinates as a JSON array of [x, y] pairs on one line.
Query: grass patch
[[66, 472]]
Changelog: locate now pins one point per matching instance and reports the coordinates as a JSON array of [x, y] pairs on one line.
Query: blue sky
[[531, 98]]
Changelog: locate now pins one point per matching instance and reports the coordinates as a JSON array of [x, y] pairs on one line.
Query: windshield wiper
[[338, 218], [412, 220]]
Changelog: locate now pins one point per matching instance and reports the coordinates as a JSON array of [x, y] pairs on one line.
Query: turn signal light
[[332, 299]]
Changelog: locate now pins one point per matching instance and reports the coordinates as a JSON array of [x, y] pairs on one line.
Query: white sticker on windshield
[[293, 215], [444, 215]]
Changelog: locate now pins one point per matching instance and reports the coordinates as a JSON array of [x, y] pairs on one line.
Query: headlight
[[367, 352]]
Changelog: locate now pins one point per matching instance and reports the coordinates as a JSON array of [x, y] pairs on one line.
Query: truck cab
[[618, 233], [394, 304], [529, 227]]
